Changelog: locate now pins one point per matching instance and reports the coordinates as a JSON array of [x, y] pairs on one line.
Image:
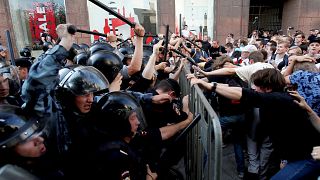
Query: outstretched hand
[[304, 58], [299, 100], [197, 68], [193, 79]]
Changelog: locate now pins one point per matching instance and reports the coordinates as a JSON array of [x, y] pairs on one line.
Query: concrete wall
[[301, 14], [77, 14], [166, 15], [231, 16]]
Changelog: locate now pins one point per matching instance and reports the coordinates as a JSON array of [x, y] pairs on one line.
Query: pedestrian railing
[[204, 147]]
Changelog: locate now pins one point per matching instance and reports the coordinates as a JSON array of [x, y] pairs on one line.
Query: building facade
[[240, 17]]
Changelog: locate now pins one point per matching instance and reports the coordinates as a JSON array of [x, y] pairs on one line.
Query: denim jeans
[[303, 169], [236, 123]]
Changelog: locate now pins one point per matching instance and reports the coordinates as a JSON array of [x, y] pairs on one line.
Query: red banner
[[41, 17]]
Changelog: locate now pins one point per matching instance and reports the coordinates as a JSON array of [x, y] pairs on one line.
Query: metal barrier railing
[[204, 147]]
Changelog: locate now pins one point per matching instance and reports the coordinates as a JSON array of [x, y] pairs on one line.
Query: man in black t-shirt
[[216, 50]]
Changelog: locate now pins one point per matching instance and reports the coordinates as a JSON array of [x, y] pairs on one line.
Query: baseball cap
[[315, 40], [249, 48]]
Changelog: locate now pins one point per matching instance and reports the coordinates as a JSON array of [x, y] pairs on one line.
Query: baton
[[194, 44], [123, 42], [9, 42], [183, 55], [111, 11], [91, 32], [166, 44]]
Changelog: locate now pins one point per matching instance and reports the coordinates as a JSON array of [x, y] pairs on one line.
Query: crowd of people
[[267, 125], [111, 109]]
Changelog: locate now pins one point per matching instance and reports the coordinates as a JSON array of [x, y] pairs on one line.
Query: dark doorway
[[265, 15]]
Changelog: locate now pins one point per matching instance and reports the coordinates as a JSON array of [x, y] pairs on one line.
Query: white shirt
[[245, 72], [185, 33]]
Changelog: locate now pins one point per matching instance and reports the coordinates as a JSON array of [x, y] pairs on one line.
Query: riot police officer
[[124, 142], [114, 157], [38, 92], [9, 85], [22, 143]]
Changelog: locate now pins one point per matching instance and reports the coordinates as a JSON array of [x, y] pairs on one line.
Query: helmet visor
[[84, 80]]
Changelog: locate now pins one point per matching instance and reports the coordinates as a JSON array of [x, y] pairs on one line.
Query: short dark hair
[[230, 45], [169, 85], [269, 78], [256, 56], [300, 33], [273, 43], [264, 53]]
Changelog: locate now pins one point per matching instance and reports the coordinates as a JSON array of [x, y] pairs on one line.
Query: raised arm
[[136, 61], [222, 71], [149, 70], [234, 93], [292, 62], [43, 75]]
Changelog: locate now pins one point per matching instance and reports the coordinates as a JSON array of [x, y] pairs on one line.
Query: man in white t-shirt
[[244, 72], [185, 32]]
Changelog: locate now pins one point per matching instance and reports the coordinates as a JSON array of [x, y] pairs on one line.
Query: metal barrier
[[204, 155]]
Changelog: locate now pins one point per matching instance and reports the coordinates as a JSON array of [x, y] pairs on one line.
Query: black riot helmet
[[98, 46], [15, 127], [107, 62], [84, 46], [25, 52], [127, 53], [9, 73], [46, 46], [73, 51], [118, 108], [81, 80], [81, 58]]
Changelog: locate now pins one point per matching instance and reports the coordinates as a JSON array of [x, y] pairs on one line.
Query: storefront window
[[31, 18]]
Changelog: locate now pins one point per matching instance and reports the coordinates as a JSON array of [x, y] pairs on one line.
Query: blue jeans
[[236, 123], [303, 169]]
